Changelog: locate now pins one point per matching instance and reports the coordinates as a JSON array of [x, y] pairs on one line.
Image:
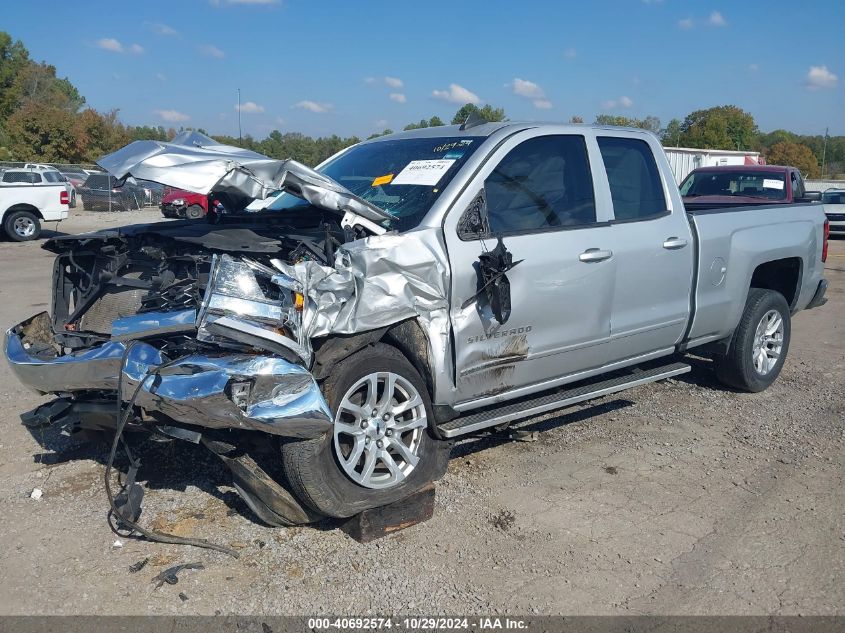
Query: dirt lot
[[679, 497]]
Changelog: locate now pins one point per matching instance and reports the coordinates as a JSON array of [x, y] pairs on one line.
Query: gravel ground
[[674, 498]]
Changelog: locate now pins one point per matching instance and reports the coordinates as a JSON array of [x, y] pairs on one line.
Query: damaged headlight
[[251, 304]]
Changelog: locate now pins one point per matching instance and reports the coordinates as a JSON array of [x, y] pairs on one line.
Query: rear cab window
[[636, 188], [22, 176]]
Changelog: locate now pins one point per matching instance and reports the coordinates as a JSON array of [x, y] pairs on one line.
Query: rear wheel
[[759, 344], [22, 226], [380, 449]]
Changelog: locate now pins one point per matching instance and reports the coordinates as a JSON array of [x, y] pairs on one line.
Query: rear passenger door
[[539, 199], [652, 243]]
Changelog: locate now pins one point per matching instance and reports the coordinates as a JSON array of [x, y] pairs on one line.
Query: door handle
[[674, 243], [595, 255]]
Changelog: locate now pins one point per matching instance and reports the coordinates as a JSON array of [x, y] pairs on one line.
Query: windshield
[[21, 176], [757, 184], [404, 177]]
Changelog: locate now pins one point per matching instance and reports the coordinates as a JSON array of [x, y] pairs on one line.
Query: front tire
[[759, 344], [194, 212], [22, 226], [368, 460]]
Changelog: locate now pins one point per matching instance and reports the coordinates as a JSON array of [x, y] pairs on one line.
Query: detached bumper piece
[[225, 391]]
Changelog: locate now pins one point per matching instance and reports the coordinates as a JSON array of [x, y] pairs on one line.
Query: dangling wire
[[122, 419]]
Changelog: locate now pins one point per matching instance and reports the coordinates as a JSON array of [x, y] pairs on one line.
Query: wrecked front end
[[220, 330]]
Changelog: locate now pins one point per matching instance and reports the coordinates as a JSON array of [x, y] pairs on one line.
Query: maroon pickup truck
[[734, 185]]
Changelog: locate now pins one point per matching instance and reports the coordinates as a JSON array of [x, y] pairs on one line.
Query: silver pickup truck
[[411, 290]]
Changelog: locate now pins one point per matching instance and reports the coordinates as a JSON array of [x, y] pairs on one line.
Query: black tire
[[14, 221], [312, 468], [194, 212], [736, 368]]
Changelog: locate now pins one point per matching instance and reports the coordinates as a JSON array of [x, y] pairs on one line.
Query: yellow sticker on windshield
[[382, 180]]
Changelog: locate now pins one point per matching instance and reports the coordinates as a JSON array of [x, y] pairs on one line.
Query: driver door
[[536, 195]]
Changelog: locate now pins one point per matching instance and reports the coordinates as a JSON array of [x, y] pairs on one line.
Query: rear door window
[[635, 184], [542, 184]]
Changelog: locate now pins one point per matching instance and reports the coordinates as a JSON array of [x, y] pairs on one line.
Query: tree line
[[44, 118]]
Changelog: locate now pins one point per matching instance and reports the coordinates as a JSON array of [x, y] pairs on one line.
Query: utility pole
[[240, 136], [824, 150]]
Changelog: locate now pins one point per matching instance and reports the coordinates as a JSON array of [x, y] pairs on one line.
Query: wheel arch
[[781, 275], [23, 207]]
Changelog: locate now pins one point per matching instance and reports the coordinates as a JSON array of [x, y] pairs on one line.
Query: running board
[[529, 407]]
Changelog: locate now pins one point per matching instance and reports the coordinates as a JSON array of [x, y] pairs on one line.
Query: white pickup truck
[[25, 204]]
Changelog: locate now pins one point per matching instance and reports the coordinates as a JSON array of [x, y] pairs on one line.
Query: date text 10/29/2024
[[417, 623]]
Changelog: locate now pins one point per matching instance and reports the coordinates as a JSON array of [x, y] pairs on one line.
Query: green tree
[[722, 127], [488, 113], [794, 155], [44, 134], [671, 134], [13, 58], [650, 123]]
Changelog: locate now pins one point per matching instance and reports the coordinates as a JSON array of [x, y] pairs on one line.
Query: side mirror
[[473, 222], [812, 196]]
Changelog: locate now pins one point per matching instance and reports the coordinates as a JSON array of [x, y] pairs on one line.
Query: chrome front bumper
[[240, 391]]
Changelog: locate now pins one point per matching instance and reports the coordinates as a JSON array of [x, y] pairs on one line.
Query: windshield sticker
[[382, 180], [447, 146], [770, 183], [423, 172], [454, 155]]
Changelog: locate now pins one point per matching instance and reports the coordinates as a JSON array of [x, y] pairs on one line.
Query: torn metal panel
[[240, 391], [199, 164]]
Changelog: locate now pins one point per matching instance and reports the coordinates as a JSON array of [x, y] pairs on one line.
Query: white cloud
[[819, 77], [313, 106], [172, 116], [370, 80], [716, 19], [136, 49], [161, 76], [530, 90], [280, 121], [570, 53], [456, 94], [110, 44], [381, 124], [753, 67], [527, 89], [250, 107], [621, 102], [211, 51], [393, 82], [398, 97], [685, 24], [161, 29]]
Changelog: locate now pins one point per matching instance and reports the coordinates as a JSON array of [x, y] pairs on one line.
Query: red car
[[735, 185], [177, 203]]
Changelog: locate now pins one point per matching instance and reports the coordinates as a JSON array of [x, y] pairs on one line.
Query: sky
[[354, 68]]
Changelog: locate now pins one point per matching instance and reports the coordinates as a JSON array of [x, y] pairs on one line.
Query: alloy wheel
[[378, 429], [768, 342]]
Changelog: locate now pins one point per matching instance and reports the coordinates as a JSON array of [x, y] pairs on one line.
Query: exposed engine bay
[[104, 279]]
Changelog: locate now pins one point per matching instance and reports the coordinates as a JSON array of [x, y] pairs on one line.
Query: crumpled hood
[[195, 162]]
